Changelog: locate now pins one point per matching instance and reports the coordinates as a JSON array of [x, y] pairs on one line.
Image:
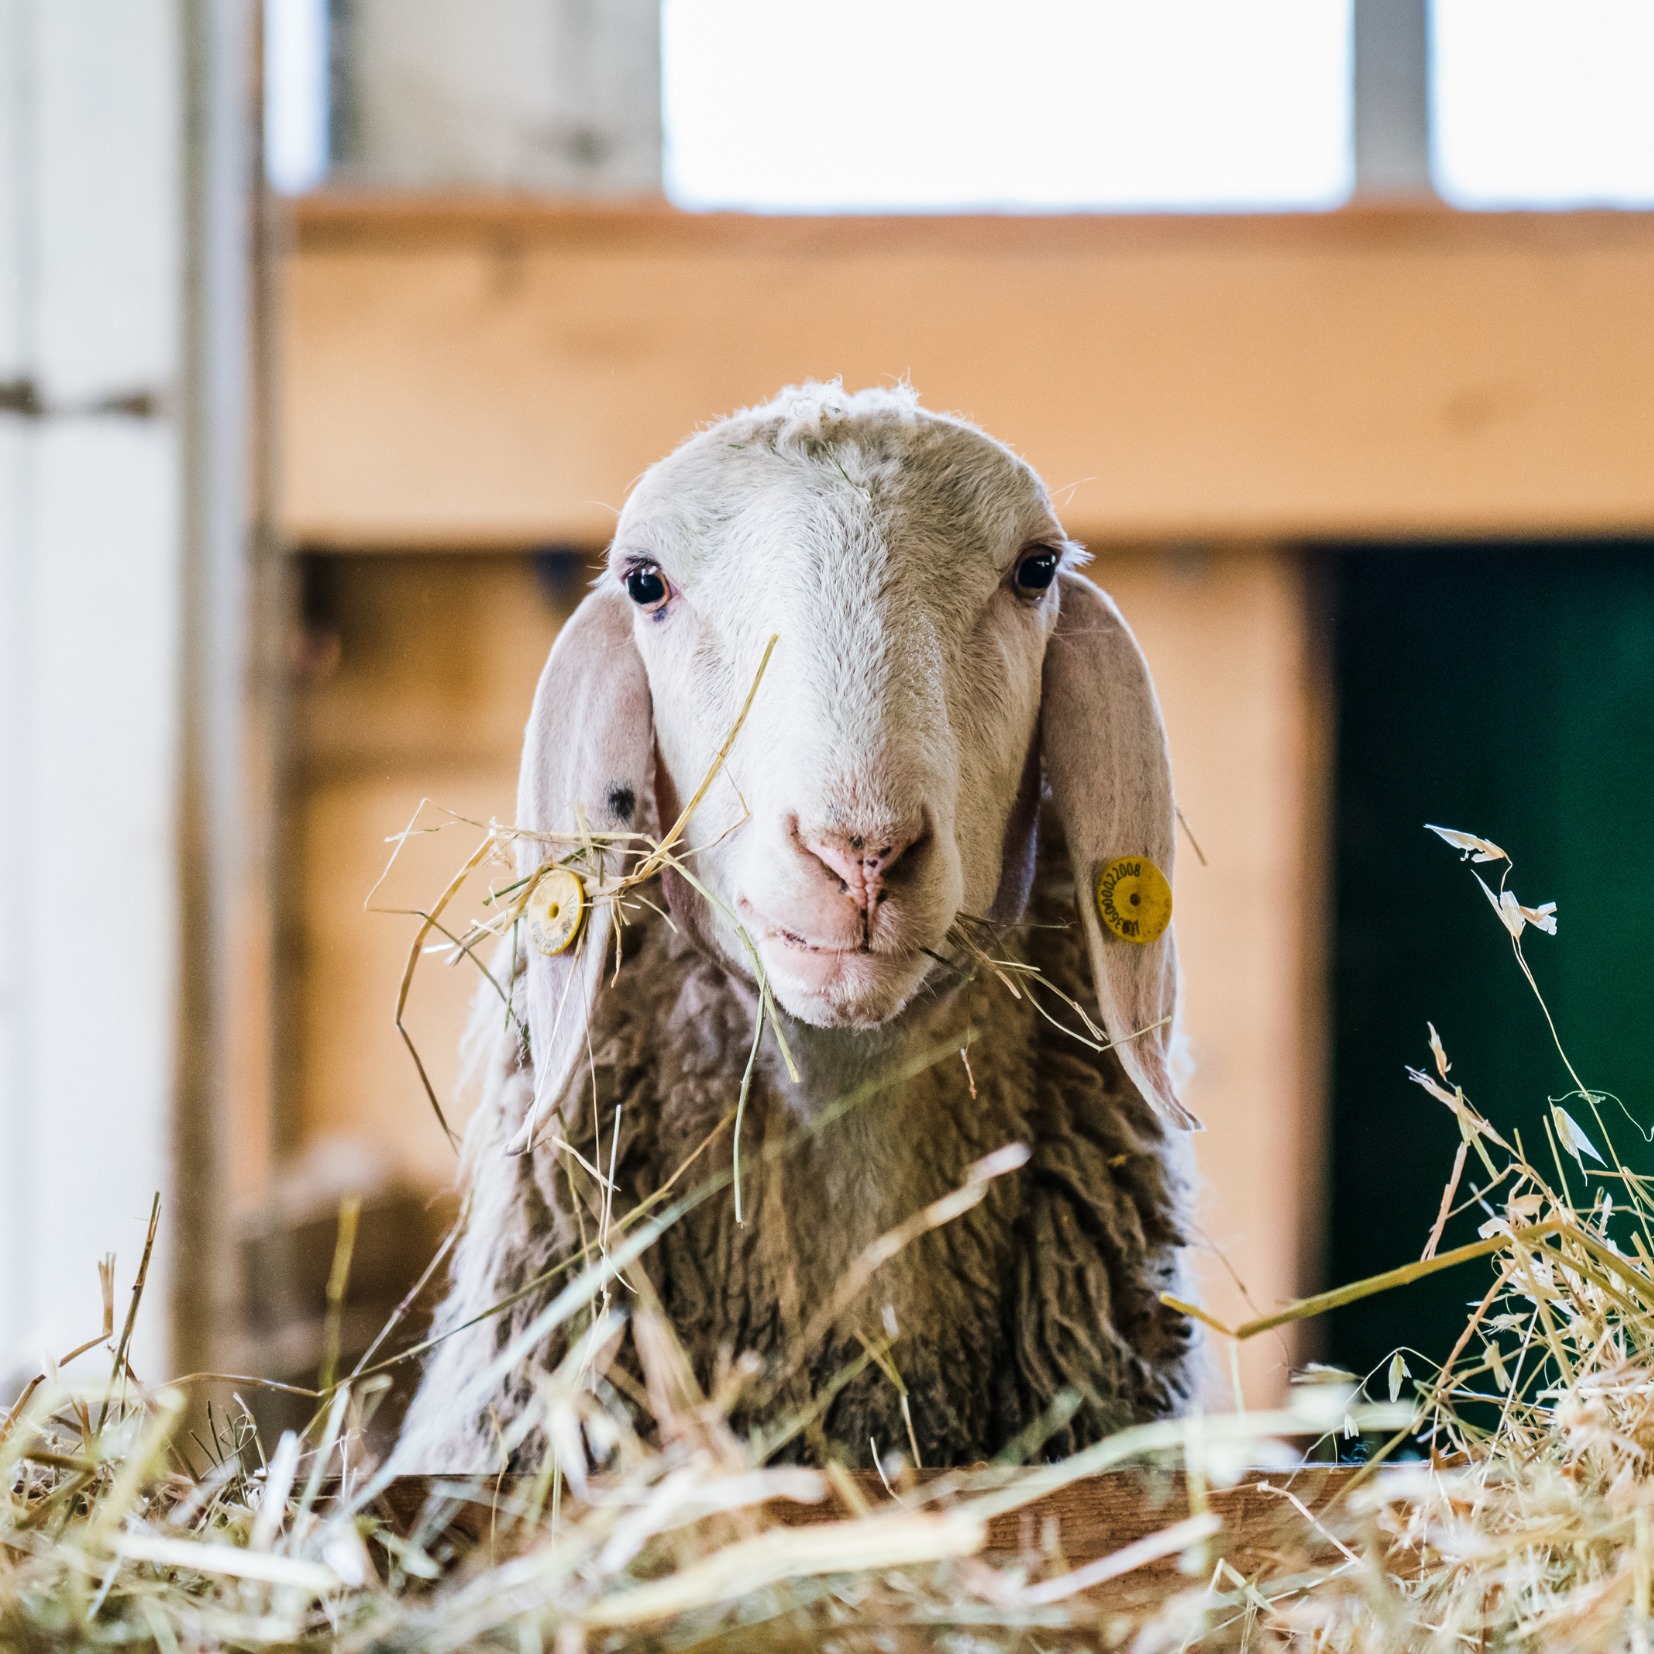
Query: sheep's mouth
[[846, 982], [793, 940], [769, 930]]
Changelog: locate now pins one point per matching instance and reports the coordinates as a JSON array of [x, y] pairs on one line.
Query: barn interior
[[332, 336]]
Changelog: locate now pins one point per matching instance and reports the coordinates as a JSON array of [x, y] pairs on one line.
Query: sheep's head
[[887, 776], [907, 565]]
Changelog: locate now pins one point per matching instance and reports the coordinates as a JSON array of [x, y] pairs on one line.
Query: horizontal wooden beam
[[496, 372]]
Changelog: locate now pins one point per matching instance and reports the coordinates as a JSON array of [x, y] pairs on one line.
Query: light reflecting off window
[[295, 94], [1543, 103], [1049, 105]]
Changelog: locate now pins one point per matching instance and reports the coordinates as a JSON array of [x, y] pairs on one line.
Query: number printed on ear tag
[[1134, 899], [556, 907]]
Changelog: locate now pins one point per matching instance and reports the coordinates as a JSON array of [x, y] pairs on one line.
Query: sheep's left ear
[[1104, 748], [588, 766]]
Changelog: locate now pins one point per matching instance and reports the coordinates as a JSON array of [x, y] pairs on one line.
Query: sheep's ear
[[1104, 747], [588, 765]]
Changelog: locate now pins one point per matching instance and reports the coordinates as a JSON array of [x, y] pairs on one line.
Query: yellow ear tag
[[1134, 899], [556, 907]]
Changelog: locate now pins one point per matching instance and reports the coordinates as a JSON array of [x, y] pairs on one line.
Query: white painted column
[[555, 95], [91, 258]]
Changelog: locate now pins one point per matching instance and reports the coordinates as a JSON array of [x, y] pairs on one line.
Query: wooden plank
[[428, 668], [1081, 1522], [464, 372], [1229, 636]]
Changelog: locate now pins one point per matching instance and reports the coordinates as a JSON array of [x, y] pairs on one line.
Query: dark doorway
[[1506, 691]]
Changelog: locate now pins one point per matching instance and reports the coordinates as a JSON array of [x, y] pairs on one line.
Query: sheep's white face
[[906, 564]]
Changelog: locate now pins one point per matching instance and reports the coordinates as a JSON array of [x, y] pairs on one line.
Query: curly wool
[[1051, 1283]]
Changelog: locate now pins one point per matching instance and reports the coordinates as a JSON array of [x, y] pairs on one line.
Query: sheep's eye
[[1037, 570], [646, 586]]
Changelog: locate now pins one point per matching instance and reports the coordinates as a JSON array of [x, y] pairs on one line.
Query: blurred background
[[333, 332]]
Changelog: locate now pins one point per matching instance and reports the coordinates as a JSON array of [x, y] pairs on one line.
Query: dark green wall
[[1507, 691]]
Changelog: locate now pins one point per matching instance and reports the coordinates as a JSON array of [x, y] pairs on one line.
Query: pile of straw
[[119, 1526], [1509, 1503]]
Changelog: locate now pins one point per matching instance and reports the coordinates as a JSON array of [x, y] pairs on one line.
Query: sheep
[[954, 722]]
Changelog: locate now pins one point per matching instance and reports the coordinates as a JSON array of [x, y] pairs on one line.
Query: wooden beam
[[496, 372]]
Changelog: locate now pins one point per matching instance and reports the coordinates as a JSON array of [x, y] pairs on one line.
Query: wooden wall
[[423, 667], [420, 674], [1202, 392]]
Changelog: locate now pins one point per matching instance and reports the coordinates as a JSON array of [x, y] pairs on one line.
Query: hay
[[129, 1534], [1523, 1515]]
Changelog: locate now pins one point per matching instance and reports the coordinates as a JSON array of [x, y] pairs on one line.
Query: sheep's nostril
[[861, 873]]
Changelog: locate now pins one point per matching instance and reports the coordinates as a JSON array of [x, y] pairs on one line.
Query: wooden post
[[223, 808]]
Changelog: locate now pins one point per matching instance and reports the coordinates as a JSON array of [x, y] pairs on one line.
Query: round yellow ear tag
[[556, 907], [1134, 899]]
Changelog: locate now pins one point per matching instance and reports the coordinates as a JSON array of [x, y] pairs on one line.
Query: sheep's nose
[[862, 860]]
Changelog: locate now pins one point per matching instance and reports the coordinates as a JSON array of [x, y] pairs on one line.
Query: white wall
[[91, 248]]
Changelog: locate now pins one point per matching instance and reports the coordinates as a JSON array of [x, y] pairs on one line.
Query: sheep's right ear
[[1104, 748], [588, 765]]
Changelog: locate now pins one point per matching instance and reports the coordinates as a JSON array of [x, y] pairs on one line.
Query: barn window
[[950, 105], [1540, 103], [297, 139]]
